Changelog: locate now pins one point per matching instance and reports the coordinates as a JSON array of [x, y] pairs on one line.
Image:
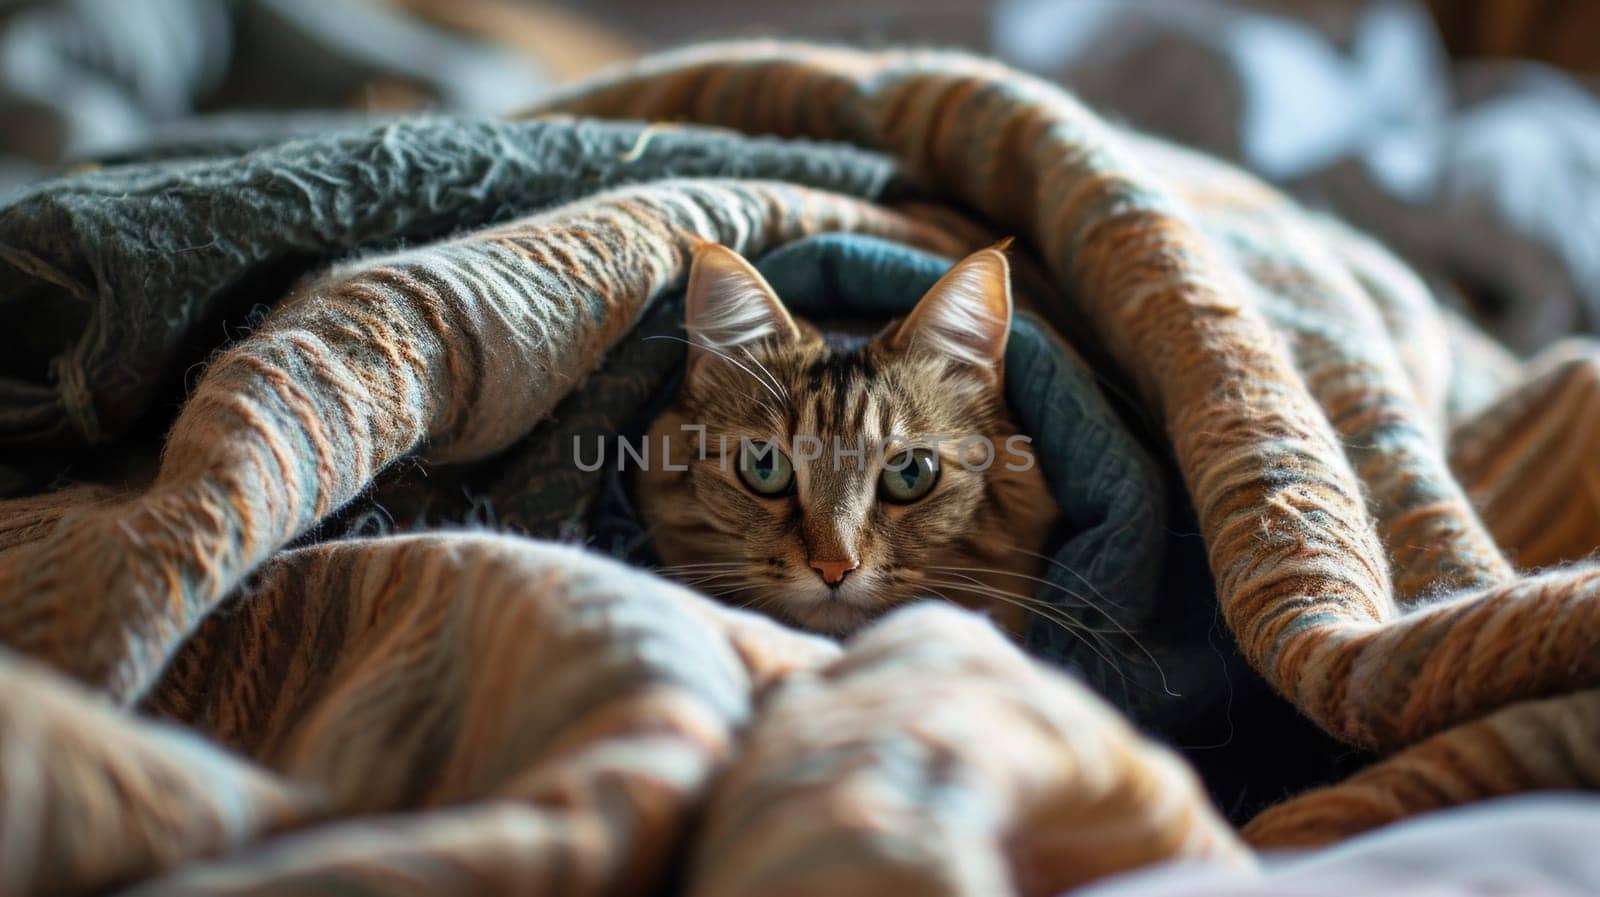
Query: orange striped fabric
[[1506, 752], [551, 723]]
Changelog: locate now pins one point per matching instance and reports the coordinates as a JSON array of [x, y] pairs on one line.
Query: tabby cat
[[828, 477]]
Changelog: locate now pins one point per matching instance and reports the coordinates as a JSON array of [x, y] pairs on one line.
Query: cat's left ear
[[966, 316]]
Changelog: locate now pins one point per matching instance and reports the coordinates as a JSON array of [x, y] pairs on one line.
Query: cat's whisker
[[755, 603], [694, 571], [723, 355], [771, 377], [1041, 581], [1054, 614], [1099, 596], [1077, 624], [1098, 606], [710, 580], [1042, 608], [1116, 625], [1087, 638], [730, 588], [709, 565], [1080, 600]]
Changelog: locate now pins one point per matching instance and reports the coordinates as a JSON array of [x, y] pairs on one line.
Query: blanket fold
[[104, 277]]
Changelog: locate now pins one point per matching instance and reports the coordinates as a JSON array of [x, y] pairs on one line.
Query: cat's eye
[[908, 476], [765, 470]]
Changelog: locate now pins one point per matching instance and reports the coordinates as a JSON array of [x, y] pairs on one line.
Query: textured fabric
[[459, 347], [552, 721], [102, 276], [480, 714], [1303, 376], [1481, 172], [1113, 573]]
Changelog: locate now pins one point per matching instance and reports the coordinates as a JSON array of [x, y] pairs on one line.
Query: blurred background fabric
[[1484, 173], [1480, 167], [82, 79], [1448, 129], [1561, 32]]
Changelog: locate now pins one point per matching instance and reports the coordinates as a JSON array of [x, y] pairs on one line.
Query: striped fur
[[974, 539]]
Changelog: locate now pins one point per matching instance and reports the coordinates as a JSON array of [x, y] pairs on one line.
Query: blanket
[[205, 694], [107, 274]]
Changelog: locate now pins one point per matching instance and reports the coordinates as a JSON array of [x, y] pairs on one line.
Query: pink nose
[[833, 572]]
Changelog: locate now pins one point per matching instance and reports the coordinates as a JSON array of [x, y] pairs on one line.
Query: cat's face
[[893, 473]]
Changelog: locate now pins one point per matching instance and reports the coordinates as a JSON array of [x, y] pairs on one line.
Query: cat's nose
[[833, 572]]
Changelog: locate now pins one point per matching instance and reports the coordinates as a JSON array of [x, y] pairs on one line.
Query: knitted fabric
[[104, 276]]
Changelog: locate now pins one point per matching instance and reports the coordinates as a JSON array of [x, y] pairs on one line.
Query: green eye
[[908, 476], [765, 470]]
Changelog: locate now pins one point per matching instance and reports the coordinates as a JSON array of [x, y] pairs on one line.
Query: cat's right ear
[[965, 317], [729, 306]]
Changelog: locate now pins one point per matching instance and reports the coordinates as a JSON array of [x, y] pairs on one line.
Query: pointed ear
[[729, 305], [965, 317]]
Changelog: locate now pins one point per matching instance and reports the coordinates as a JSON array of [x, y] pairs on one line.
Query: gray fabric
[[104, 275], [1486, 173], [81, 78]]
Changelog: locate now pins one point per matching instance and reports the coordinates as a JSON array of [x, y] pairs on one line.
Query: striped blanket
[[202, 694]]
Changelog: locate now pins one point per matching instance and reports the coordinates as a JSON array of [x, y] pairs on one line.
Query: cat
[[743, 511]]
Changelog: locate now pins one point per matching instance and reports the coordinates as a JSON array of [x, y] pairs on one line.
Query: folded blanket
[[551, 722], [104, 276]]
